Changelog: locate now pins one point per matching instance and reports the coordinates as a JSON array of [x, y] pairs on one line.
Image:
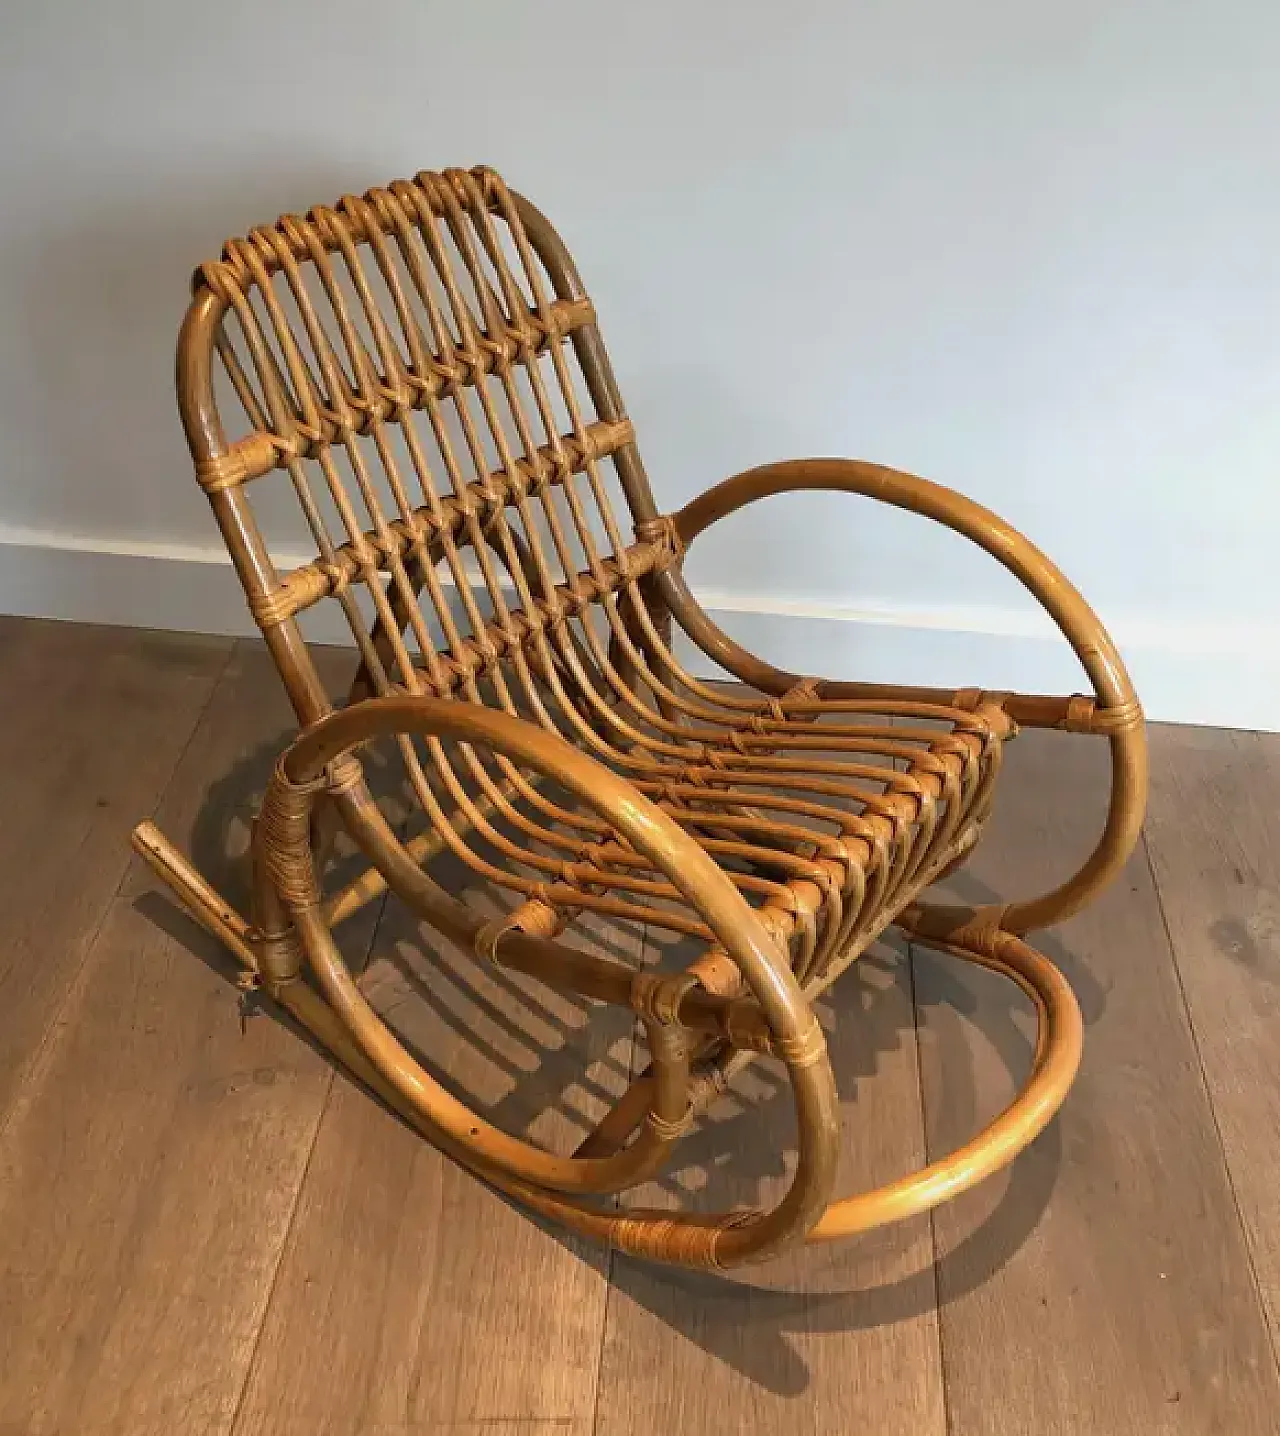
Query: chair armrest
[[1118, 715], [284, 832], [1061, 600]]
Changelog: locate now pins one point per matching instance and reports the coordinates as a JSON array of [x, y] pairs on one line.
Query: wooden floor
[[205, 1229]]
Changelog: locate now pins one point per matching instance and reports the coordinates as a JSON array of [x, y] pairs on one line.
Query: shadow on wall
[[100, 299]]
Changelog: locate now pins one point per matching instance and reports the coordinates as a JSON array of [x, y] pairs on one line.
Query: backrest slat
[[411, 365]]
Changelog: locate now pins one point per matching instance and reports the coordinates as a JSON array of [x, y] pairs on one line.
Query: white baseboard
[[1185, 672]]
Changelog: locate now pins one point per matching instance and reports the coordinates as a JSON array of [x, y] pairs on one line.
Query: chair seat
[[828, 814]]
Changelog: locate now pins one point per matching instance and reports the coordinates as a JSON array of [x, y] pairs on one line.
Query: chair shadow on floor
[[541, 1064]]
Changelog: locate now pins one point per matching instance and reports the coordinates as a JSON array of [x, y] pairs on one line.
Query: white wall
[[1029, 249]]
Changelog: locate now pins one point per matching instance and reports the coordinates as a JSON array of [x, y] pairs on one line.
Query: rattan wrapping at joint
[[284, 839], [666, 1131], [249, 458], [805, 1050]]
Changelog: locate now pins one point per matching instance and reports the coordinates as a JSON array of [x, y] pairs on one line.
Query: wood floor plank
[[92, 721], [1102, 1286], [412, 1298], [152, 1163], [826, 1340], [1214, 840], [557, 1426], [191, 1241]]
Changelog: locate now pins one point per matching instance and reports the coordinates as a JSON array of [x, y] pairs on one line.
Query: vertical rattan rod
[[197, 406], [590, 352]]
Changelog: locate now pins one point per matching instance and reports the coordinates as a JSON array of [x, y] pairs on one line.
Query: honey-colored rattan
[[422, 368]]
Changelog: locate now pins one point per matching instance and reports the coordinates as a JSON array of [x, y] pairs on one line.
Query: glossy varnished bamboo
[[1103, 1284], [1214, 840]]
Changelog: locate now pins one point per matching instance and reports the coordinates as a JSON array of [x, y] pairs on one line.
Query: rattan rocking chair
[[423, 365]]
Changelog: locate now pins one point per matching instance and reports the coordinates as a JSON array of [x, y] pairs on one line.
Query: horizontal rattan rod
[[258, 453], [473, 658], [1072, 713], [575, 973], [567, 969], [371, 884], [295, 230], [483, 498]]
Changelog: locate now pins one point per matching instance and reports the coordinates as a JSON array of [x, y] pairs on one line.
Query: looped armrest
[[1079, 624], [1118, 717], [797, 1036]]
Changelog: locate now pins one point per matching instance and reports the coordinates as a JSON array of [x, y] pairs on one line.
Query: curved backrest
[[422, 366]]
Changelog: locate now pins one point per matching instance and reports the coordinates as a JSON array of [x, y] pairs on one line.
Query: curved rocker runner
[[422, 367]]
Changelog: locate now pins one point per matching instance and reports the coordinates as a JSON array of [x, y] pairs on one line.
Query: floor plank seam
[[1273, 1337], [45, 1045], [596, 1414], [291, 1223], [611, 1254], [940, 1339], [285, 1239]]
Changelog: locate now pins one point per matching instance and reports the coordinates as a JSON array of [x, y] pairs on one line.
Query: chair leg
[[218, 917], [1059, 1043], [202, 901]]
